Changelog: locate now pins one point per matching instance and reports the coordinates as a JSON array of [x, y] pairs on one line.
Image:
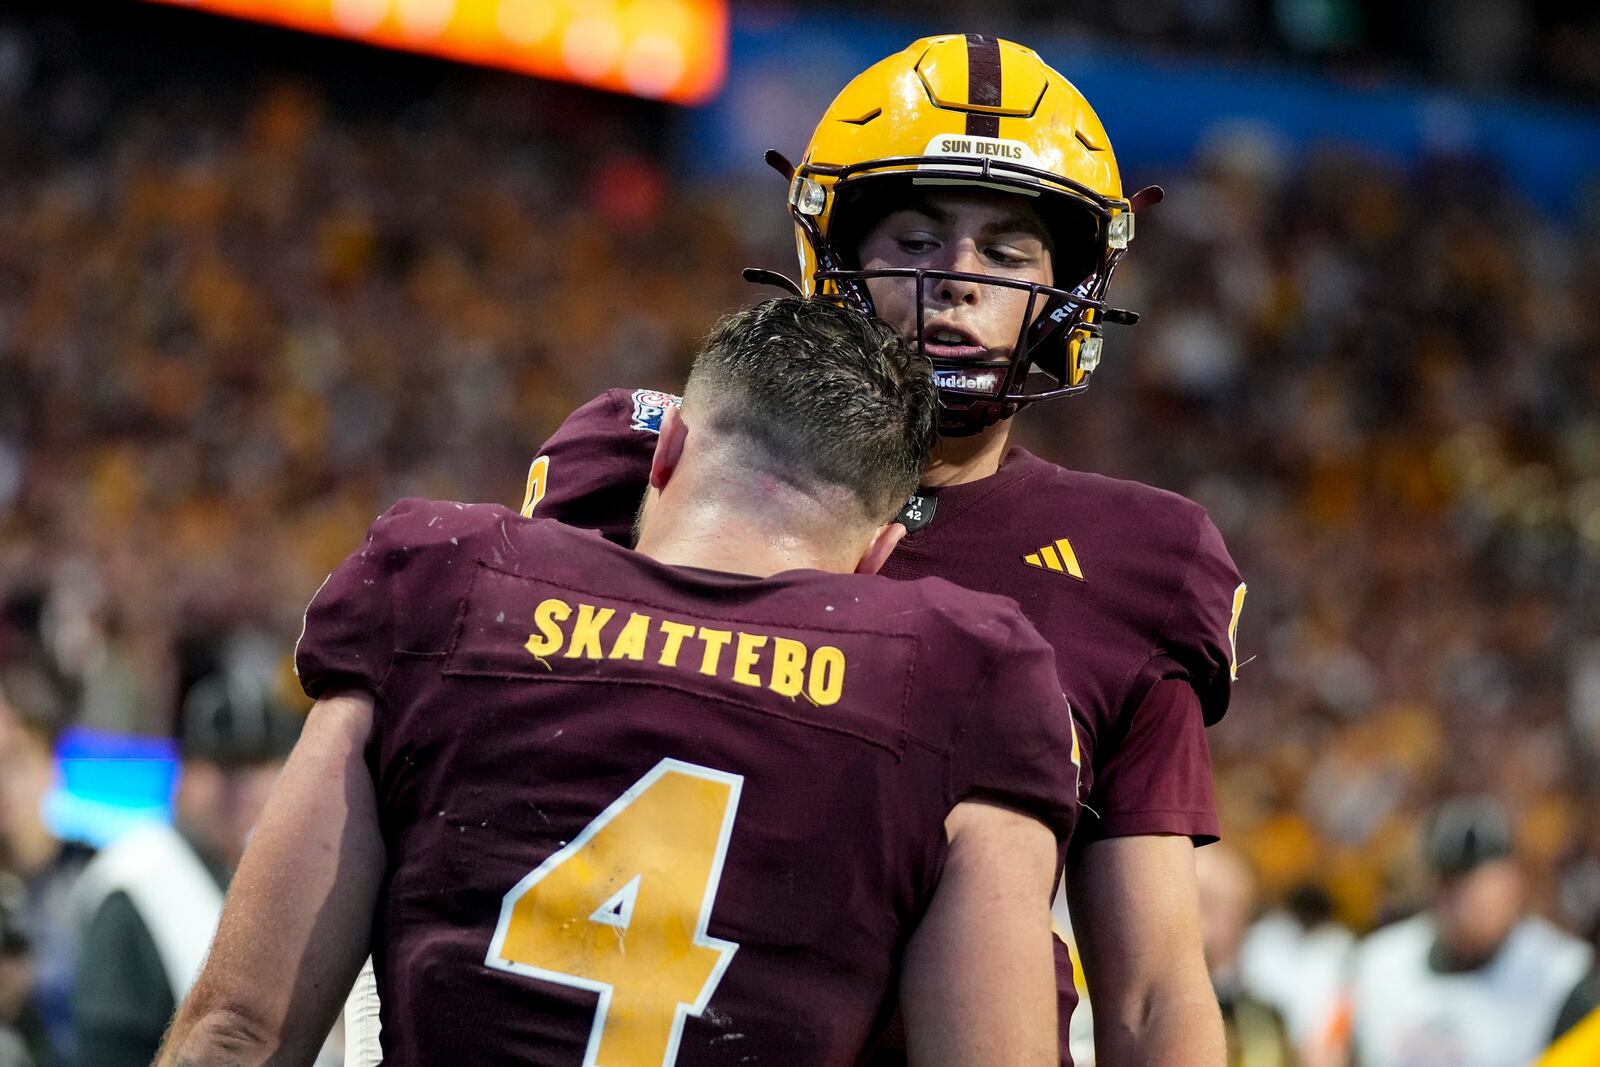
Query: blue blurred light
[[110, 783]]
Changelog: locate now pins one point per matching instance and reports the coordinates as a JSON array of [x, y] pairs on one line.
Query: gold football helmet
[[972, 109]]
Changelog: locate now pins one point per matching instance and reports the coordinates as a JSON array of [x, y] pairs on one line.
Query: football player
[[966, 192], [718, 800]]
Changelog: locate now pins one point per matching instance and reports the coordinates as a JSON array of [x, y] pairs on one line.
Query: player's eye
[[916, 244], [1011, 255]]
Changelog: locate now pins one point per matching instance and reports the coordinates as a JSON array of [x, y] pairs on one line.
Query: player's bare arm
[[1142, 957], [294, 929], [979, 980]]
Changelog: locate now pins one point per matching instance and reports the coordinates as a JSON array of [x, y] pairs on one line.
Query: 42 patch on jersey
[[649, 405]]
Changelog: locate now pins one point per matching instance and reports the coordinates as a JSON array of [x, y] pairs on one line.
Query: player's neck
[[754, 550], [957, 460], [737, 530]]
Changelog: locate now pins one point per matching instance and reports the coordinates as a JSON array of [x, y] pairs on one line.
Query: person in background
[[16, 981], [150, 901], [1473, 981], [1295, 958], [44, 867], [1254, 1030]]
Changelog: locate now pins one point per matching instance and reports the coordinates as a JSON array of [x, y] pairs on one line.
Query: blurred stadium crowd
[[1551, 46], [235, 327]]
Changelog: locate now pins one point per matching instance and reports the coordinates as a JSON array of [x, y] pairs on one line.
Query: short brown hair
[[824, 395]]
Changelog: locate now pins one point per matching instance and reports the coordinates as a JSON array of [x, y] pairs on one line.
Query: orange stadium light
[[664, 49]]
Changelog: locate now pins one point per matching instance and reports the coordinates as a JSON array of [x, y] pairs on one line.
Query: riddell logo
[[954, 379]]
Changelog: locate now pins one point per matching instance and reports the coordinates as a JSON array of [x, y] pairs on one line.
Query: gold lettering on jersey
[[630, 642], [676, 632], [548, 617], [744, 660], [826, 679], [586, 631], [715, 641], [787, 667]]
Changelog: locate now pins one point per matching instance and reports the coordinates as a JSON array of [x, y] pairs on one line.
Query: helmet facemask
[[1058, 342]]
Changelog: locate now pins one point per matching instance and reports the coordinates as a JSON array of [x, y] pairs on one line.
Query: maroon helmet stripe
[[983, 83]]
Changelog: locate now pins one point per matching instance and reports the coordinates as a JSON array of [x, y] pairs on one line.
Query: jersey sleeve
[[399, 590], [1157, 779], [1016, 744], [594, 470], [1200, 634], [1153, 775], [347, 640]]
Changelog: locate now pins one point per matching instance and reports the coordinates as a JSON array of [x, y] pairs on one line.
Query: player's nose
[[962, 259]]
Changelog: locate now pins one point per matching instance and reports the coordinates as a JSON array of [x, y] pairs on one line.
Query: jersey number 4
[[623, 909]]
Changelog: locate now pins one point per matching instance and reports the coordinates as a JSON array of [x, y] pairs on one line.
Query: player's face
[[973, 231]]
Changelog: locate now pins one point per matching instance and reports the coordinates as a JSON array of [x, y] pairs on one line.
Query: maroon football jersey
[[641, 814], [1131, 586]]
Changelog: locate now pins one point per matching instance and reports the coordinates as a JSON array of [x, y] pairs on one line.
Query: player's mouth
[[948, 341]]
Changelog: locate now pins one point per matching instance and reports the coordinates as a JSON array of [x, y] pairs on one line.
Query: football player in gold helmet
[[967, 193], [964, 121]]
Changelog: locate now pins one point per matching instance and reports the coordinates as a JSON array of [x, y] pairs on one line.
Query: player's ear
[[878, 549], [669, 447]]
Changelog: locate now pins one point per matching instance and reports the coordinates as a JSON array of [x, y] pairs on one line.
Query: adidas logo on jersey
[[1057, 557]]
